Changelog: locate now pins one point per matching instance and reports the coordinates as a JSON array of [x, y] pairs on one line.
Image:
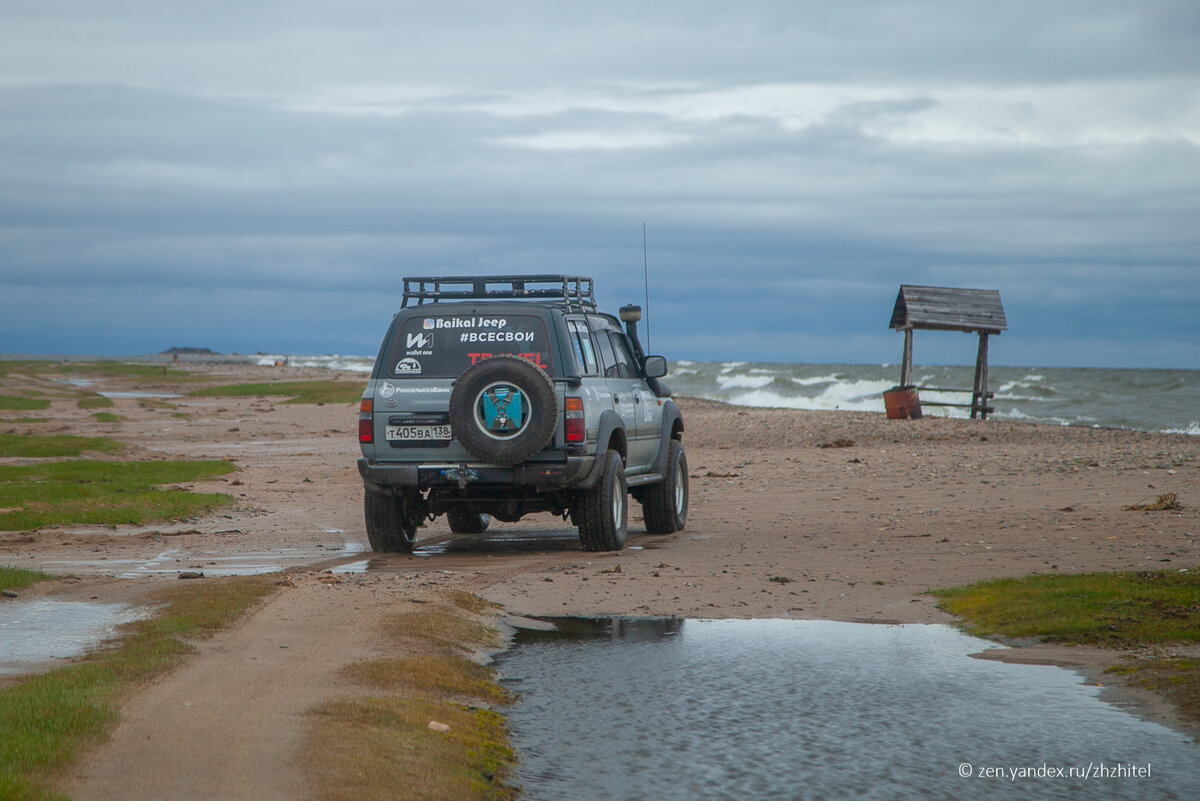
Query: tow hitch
[[461, 475]]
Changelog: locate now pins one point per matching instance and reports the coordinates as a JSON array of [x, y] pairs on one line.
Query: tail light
[[576, 426], [366, 423]]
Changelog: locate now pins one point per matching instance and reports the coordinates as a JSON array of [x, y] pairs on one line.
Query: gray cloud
[[261, 177]]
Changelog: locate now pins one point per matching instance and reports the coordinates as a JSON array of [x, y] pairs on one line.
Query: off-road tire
[[604, 509], [391, 522], [543, 411], [464, 522], [665, 505]]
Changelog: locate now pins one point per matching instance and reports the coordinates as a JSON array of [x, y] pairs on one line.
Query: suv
[[497, 397]]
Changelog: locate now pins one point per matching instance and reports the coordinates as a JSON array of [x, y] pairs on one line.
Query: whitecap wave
[[744, 381]]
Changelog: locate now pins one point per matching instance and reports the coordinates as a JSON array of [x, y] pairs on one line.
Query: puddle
[[35, 632], [211, 563], [781, 709], [140, 395], [353, 567], [503, 541]]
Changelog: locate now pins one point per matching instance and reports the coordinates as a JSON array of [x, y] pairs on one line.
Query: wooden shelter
[[936, 308]]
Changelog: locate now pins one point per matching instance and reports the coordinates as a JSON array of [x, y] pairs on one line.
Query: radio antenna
[[646, 276]]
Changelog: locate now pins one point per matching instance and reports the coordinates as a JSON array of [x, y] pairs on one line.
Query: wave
[[1146, 400], [354, 364]]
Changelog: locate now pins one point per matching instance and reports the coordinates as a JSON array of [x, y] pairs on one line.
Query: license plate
[[417, 433]]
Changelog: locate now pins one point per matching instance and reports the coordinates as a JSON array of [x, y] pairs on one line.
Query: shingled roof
[[948, 309]]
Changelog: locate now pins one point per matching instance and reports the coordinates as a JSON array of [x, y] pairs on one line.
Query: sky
[[258, 177]]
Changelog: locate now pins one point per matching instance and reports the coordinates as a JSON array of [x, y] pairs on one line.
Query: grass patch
[[104, 493], [113, 369], [95, 402], [22, 404], [38, 447], [295, 391], [367, 746], [18, 578], [1114, 610], [47, 720], [1175, 678], [1144, 610], [106, 417], [8, 367]]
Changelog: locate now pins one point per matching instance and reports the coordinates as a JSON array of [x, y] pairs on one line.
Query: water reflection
[[779, 709], [35, 632]]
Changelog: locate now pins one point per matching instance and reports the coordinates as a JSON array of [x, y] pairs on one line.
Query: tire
[[391, 522], [464, 522], [483, 398], [604, 509], [665, 505]]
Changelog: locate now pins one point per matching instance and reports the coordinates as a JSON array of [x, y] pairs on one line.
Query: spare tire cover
[[504, 409]]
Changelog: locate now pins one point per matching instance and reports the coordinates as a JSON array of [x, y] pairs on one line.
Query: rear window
[[444, 345]]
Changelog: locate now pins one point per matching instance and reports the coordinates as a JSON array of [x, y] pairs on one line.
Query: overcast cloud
[[260, 176]]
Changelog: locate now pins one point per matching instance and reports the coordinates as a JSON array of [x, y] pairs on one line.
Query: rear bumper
[[384, 477]]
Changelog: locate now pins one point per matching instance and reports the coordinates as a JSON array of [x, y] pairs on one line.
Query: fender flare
[[672, 422], [610, 423]]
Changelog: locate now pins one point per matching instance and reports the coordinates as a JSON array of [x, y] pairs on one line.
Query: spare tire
[[504, 409]]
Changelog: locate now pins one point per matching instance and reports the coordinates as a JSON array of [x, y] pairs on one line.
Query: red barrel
[[902, 403]]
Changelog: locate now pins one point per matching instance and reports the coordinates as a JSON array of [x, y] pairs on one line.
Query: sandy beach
[[815, 515], [835, 515]]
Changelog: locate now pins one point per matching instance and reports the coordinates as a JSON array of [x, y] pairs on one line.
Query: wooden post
[[979, 399], [906, 364]]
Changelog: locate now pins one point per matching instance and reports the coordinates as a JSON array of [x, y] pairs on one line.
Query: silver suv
[[496, 397]]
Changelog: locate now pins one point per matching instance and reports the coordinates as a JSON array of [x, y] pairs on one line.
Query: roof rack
[[576, 291]]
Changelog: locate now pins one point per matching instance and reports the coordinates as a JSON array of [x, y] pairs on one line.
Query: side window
[[608, 359], [625, 364], [581, 343]]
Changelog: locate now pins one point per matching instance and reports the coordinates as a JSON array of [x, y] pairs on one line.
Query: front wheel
[[604, 509], [391, 521], [665, 505]]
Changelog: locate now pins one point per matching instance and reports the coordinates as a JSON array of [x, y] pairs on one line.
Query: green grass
[[47, 720], [22, 404], [1176, 678], [103, 493], [112, 369], [8, 367], [1147, 611], [106, 417], [364, 746], [295, 391], [27, 446], [17, 578], [103, 368], [95, 402], [1116, 610]]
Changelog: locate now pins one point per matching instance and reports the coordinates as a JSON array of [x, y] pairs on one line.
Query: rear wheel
[[464, 522], [604, 509], [665, 505], [391, 521]]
